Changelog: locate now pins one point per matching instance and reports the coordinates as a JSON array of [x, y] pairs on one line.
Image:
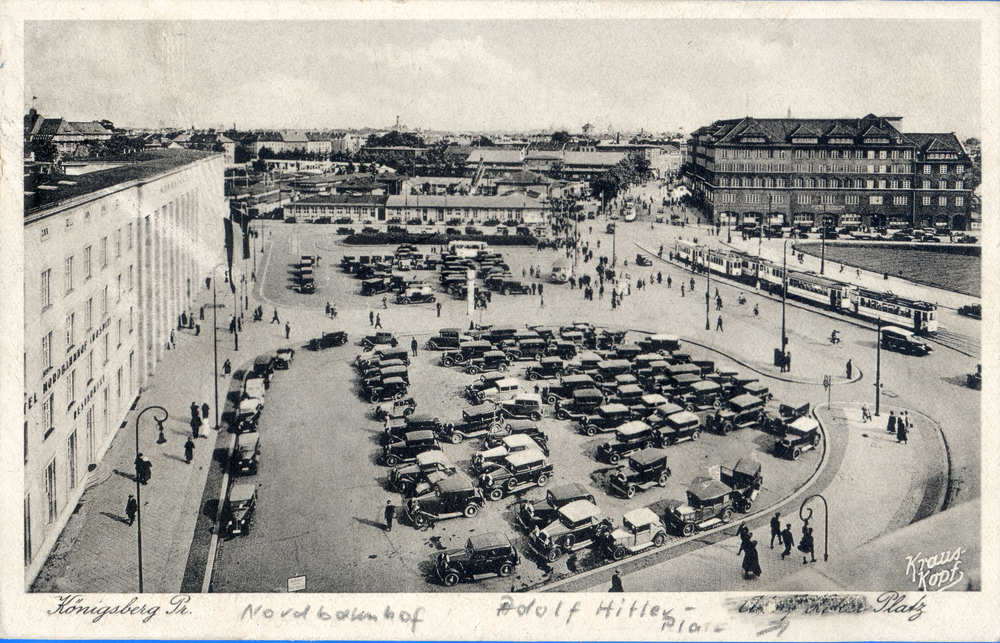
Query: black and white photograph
[[444, 320]]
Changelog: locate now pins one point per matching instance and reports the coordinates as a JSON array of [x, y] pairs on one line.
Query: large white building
[[111, 259]]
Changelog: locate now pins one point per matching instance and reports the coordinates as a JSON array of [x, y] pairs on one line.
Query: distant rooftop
[[43, 191]]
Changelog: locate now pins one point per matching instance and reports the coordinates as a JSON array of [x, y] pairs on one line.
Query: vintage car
[[514, 472], [447, 338], [238, 509], [523, 406], [371, 287], [740, 412], [660, 343], [607, 370], [903, 341], [283, 357], [643, 260], [678, 427], [561, 348], [709, 503], [607, 418], [253, 388], [490, 361], [745, 480], [777, 415], [516, 427], [678, 385], [453, 497], [546, 368], [248, 415], [650, 402], [975, 311], [645, 469], [800, 435], [627, 352], [395, 408], [245, 454], [382, 357], [578, 525], [756, 389], [507, 285], [525, 349], [405, 449], [379, 339], [482, 414], [384, 372], [396, 427], [542, 512], [485, 381], [583, 403], [629, 437], [565, 388], [701, 396], [466, 351], [383, 390], [507, 445], [502, 389], [484, 554], [326, 340], [630, 395], [418, 478], [658, 416], [423, 294], [640, 530]]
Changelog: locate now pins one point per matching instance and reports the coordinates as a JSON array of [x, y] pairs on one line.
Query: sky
[[504, 75]]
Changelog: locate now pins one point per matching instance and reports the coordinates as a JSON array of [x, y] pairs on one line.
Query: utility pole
[[708, 289], [878, 367]]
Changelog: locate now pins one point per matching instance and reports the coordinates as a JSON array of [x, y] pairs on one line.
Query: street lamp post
[[138, 484], [708, 289], [729, 227], [215, 341], [784, 295], [822, 261], [826, 522], [878, 366]]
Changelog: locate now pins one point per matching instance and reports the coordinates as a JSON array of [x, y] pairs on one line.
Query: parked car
[[466, 352], [678, 427], [383, 390], [238, 509], [641, 529], [778, 415], [903, 341], [546, 368], [397, 427], [490, 361], [396, 408], [405, 450], [607, 418], [430, 468], [701, 396], [516, 427], [447, 338], [740, 412], [645, 469], [507, 445], [523, 406], [709, 503], [561, 348], [416, 295], [525, 349], [508, 286], [486, 381], [975, 311], [800, 436], [607, 370], [564, 389], [379, 339], [629, 438], [578, 525], [245, 454], [542, 512], [453, 497], [248, 415], [583, 403], [502, 389], [643, 260], [484, 554], [745, 480], [660, 343], [515, 472], [382, 357]]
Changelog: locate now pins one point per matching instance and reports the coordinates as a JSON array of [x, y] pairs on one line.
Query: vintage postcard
[[500, 320]]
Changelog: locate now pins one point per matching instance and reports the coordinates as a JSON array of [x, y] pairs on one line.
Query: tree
[[45, 151], [483, 141], [562, 137]]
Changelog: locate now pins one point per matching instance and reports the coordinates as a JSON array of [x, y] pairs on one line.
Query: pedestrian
[[751, 561], [201, 313], [390, 513], [288, 330], [533, 288], [204, 410], [865, 413], [189, 450], [384, 303], [670, 281], [541, 301], [274, 318], [600, 293], [850, 369], [718, 324], [378, 321], [172, 344], [787, 540], [194, 410], [439, 308], [131, 507], [775, 528], [903, 427], [616, 583], [226, 367], [184, 320], [327, 309], [891, 427], [788, 361], [532, 271], [682, 290], [413, 346], [659, 277], [859, 273], [371, 317], [197, 330], [718, 303], [806, 545], [743, 532], [195, 425], [692, 284], [540, 289]]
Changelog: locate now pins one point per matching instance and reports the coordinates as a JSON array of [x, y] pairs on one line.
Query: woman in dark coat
[[751, 563]]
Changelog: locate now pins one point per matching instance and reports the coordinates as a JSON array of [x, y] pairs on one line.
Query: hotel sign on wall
[[58, 372]]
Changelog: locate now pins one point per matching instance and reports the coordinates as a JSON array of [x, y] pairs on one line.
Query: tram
[[917, 316]]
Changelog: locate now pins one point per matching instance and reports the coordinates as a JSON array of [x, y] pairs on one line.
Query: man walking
[[194, 410], [371, 317], [775, 528], [189, 450], [413, 346], [616, 583], [390, 513], [866, 414], [891, 428], [850, 369], [131, 507], [718, 324], [204, 410], [378, 321], [787, 540], [806, 545], [195, 425], [274, 319], [288, 330], [439, 308], [902, 428], [385, 304]]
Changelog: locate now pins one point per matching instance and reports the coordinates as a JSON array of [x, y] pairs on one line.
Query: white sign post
[[297, 584]]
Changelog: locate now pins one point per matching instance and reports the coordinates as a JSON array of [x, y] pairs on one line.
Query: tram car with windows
[[919, 317]]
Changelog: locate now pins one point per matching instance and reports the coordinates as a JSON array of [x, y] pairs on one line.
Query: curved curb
[[799, 491]]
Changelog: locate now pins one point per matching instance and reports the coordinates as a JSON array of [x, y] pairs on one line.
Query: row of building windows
[[831, 199], [858, 184], [810, 154]]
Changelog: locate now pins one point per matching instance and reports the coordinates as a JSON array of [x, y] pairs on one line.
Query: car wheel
[[688, 529], [532, 376], [747, 506], [591, 431], [689, 408], [552, 554], [727, 514], [391, 460], [816, 440], [501, 367], [505, 570], [599, 378], [663, 479], [717, 403], [568, 542], [397, 396], [796, 452], [536, 416], [431, 299], [695, 435], [613, 458], [511, 484], [659, 539], [496, 493], [473, 369], [630, 491], [420, 520], [618, 553], [538, 357], [727, 427], [408, 411], [542, 480], [552, 399], [562, 415], [451, 579], [471, 511], [447, 361], [506, 291]]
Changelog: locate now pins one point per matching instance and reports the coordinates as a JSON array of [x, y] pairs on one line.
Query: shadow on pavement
[[130, 476], [112, 516], [370, 523]]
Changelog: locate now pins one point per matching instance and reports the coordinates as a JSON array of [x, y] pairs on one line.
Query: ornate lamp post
[[708, 289], [826, 522], [138, 484]]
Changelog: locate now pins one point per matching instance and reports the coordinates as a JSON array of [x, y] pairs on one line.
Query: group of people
[[900, 425]]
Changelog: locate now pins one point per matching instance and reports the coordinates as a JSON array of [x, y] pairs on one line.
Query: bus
[[468, 248]]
